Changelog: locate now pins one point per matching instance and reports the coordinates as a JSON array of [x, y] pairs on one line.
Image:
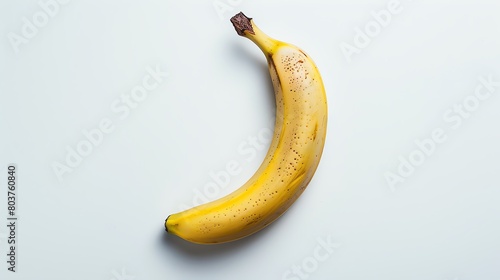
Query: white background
[[104, 220]]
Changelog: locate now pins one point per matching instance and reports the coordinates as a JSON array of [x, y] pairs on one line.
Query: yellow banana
[[291, 161]]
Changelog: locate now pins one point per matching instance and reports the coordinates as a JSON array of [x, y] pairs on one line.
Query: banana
[[292, 158]]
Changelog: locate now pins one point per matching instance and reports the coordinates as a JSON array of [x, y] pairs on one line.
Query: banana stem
[[245, 27]]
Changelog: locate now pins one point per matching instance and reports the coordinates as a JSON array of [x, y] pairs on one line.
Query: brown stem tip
[[242, 23]]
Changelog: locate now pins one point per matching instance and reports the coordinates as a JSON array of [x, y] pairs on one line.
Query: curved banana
[[290, 163]]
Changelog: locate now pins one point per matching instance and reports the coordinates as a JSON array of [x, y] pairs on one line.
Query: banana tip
[[242, 23], [166, 228]]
